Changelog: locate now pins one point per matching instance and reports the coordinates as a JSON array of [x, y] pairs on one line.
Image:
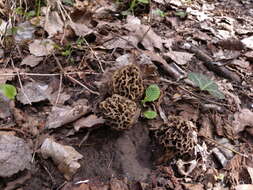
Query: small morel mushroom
[[127, 82], [120, 112], [179, 134]]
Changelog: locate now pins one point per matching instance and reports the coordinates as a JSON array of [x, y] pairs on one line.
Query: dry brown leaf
[[244, 187], [87, 122], [4, 77], [180, 58], [249, 55], [143, 34], [65, 114], [15, 155], [242, 119], [118, 185], [53, 24], [189, 186], [31, 60], [80, 29], [41, 47], [248, 42], [65, 157], [5, 110]]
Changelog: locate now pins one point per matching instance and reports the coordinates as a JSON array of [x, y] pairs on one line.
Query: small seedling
[[207, 84], [8, 90], [152, 93], [150, 114], [159, 12]]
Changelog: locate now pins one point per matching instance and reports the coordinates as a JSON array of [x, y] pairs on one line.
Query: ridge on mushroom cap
[[121, 112], [127, 82], [179, 134]]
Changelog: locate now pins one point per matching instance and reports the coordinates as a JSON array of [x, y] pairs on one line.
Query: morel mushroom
[[127, 82], [120, 112], [179, 134]]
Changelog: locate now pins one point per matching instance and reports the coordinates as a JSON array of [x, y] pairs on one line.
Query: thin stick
[[20, 82], [84, 138], [100, 64], [232, 150], [39, 74], [59, 91]]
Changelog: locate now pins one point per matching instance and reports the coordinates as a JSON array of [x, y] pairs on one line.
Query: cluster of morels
[[122, 111]]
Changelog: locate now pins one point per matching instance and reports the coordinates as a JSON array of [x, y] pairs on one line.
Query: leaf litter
[[56, 57]]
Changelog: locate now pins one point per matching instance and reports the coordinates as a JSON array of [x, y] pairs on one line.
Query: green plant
[[150, 114], [8, 90], [152, 93], [159, 12], [205, 83], [29, 14], [133, 5]]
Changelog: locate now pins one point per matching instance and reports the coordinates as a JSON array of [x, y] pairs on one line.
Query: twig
[[20, 82], [59, 91], [144, 35], [39, 74], [84, 138], [232, 150], [203, 98], [73, 79], [100, 64]]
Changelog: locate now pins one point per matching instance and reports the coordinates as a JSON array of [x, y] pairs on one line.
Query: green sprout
[[152, 93], [8, 90], [150, 114]]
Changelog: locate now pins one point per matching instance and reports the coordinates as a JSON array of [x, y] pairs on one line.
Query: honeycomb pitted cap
[[120, 112], [179, 134], [127, 82]]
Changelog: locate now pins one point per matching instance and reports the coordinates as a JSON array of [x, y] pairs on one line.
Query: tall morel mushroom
[[127, 82], [179, 134], [120, 112]]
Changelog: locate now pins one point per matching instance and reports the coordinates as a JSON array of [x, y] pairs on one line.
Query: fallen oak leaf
[[65, 157]]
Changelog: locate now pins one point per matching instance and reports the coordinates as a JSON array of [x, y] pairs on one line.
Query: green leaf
[[180, 14], [207, 84], [152, 93], [159, 12], [8, 90], [143, 1], [150, 114]]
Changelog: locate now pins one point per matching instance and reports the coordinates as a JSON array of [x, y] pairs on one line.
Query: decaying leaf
[[34, 92], [3, 75], [53, 24], [87, 122], [41, 47], [31, 60], [242, 119], [15, 155], [244, 187], [248, 42], [5, 110], [65, 157], [65, 114], [38, 91], [143, 34], [180, 58], [80, 29], [25, 31]]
